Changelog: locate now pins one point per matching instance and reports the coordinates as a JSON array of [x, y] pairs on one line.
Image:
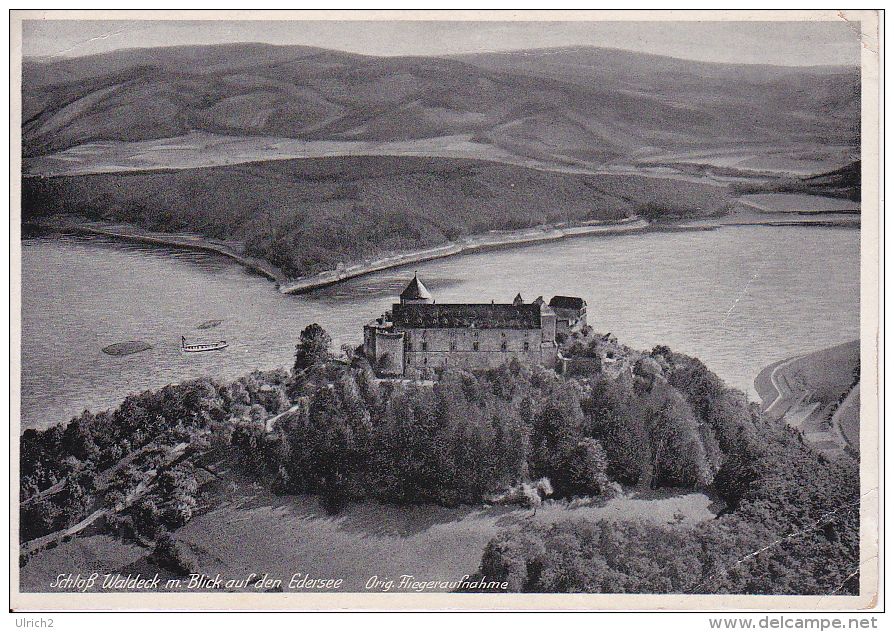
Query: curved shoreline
[[497, 240], [795, 391], [467, 245], [177, 241]]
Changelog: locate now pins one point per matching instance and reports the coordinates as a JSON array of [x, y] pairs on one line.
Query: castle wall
[[418, 335], [369, 341], [389, 352], [471, 348], [568, 320], [549, 353], [548, 326]]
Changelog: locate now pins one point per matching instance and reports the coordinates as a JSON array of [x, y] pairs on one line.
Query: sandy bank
[[190, 242], [747, 214], [497, 240]]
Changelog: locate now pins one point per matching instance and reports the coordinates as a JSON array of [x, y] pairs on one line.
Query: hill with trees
[[188, 139], [304, 216], [650, 419]]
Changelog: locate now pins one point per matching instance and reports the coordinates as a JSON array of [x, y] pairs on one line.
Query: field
[[792, 203], [801, 161], [201, 149], [248, 529]]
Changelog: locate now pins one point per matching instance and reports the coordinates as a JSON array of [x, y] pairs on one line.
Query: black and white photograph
[[431, 309]]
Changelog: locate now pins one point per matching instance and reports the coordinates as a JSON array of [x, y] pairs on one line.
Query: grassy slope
[[248, 528], [583, 104]]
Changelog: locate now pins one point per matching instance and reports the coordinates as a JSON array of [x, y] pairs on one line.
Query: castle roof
[[567, 302], [415, 291], [466, 315]]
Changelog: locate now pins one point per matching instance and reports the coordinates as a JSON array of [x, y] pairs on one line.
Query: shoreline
[[467, 245], [801, 391], [138, 235], [472, 244]]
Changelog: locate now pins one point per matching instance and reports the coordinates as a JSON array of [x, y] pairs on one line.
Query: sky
[[803, 43]]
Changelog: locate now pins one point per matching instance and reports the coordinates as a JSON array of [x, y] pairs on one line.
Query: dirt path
[[846, 419], [173, 455], [779, 383]]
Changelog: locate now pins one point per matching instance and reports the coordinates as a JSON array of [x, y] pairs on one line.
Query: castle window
[[409, 346], [503, 346], [453, 345], [527, 345], [475, 346], [424, 346]]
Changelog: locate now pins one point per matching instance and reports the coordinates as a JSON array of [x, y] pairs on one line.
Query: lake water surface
[[739, 298]]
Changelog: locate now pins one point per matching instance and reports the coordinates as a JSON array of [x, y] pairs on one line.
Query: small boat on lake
[[196, 348], [127, 348]]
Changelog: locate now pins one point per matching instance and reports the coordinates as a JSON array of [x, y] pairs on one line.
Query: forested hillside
[[308, 215], [481, 142], [652, 420]]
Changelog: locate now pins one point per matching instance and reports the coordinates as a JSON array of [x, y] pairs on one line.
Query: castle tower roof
[[416, 292], [518, 299]]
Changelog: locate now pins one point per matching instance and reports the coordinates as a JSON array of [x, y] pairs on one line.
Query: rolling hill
[[580, 104], [310, 156]]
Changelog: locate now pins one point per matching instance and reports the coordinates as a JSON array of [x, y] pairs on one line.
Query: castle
[[419, 335]]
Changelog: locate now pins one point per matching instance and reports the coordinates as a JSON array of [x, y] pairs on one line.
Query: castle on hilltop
[[419, 335]]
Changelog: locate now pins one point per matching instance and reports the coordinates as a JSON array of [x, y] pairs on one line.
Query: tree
[[313, 347], [173, 555], [587, 465]]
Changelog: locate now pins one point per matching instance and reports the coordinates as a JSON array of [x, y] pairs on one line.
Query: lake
[[738, 298]]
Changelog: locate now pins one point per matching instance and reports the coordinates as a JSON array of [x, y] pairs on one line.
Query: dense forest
[[329, 427], [308, 215]]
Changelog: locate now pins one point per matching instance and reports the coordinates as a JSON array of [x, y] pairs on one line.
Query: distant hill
[[844, 182], [412, 151], [585, 105], [838, 183]]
